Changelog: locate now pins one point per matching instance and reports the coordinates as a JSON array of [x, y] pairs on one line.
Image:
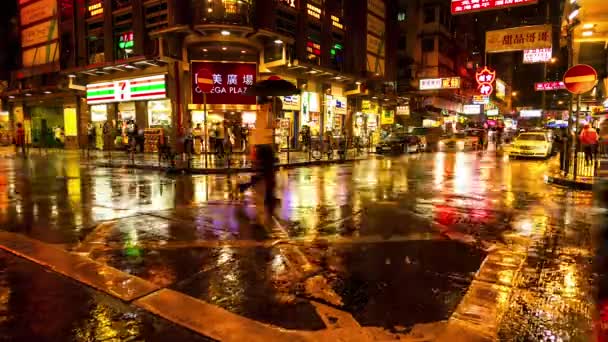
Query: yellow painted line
[[210, 320], [587, 78], [102, 277]]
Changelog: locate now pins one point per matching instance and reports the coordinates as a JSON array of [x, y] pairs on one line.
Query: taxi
[[532, 145]]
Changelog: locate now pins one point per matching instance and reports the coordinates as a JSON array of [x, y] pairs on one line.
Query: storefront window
[[159, 113], [99, 113], [126, 111]]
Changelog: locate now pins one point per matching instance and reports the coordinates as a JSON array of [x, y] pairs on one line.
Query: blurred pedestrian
[[589, 139], [20, 138], [107, 136]]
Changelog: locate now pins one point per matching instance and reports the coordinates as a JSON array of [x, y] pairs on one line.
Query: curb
[[577, 185], [199, 171]]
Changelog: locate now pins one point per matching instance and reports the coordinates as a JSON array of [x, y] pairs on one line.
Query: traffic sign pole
[[576, 144], [206, 134]]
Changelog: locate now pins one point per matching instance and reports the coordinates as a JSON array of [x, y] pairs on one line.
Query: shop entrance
[[233, 127], [47, 126]]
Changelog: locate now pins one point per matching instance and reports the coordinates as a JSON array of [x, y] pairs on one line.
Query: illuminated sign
[[335, 21], [492, 112], [290, 3], [530, 113], [519, 38], [467, 6], [37, 11], [537, 55], [403, 110], [439, 83], [501, 89], [547, 86], [485, 77], [134, 89], [95, 9], [313, 11], [480, 99], [471, 109], [229, 82], [125, 41]]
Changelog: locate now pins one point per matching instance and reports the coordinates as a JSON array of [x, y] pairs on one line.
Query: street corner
[[582, 183]]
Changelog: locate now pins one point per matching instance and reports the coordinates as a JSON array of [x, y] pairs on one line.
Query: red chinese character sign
[[467, 6], [485, 77], [224, 83], [548, 86]]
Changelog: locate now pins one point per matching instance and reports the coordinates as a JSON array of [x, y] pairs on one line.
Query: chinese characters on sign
[[545, 86], [485, 77], [230, 82], [466, 6], [480, 99], [439, 83], [519, 38], [537, 55]]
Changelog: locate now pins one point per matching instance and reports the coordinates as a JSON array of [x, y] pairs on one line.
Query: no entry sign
[[580, 79]]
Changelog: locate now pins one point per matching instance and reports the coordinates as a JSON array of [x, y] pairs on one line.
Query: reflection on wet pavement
[[39, 305], [375, 234]]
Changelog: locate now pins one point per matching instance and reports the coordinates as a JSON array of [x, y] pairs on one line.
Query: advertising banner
[[40, 55], [38, 34], [468, 6], [230, 82], [36, 11], [519, 38]]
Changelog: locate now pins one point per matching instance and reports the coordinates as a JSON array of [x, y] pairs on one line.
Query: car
[[399, 143], [458, 142], [429, 136], [532, 144]]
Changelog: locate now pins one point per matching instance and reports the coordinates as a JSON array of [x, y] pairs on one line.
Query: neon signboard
[[485, 77], [439, 83], [548, 86], [468, 6], [95, 9], [134, 89]]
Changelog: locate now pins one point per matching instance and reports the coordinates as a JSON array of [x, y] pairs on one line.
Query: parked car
[[458, 142], [399, 143], [429, 137], [532, 144]]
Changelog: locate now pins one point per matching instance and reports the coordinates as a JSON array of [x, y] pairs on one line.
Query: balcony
[[227, 12]]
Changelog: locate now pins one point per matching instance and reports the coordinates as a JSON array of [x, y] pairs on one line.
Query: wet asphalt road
[[369, 238]]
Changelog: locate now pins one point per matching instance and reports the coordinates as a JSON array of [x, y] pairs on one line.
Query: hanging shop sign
[[439, 83], [548, 86], [403, 110], [537, 55], [340, 105], [519, 38], [481, 99], [485, 77], [468, 6], [291, 102], [471, 109], [388, 117], [501, 89], [530, 113], [230, 82], [134, 89]]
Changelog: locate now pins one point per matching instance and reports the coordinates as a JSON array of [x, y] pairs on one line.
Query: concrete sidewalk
[[586, 176]]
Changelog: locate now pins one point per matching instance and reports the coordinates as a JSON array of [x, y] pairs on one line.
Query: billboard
[[537, 55], [39, 32], [468, 6], [37, 11], [471, 109], [375, 36], [519, 38], [439, 83], [230, 82]]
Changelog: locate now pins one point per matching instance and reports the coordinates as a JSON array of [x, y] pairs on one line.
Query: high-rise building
[[87, 62]]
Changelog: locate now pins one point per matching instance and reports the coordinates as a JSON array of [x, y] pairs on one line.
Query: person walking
[[20, 138], [589, 139], [107, 136]]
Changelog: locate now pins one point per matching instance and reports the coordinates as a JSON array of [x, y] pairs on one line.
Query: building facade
[[88, 62]]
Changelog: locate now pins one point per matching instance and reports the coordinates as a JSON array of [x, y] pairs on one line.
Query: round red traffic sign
[[580, 79], [204, 80]]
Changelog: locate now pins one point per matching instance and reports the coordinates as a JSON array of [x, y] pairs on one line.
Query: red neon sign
[[548, 86], [485, 77], [467, 6]]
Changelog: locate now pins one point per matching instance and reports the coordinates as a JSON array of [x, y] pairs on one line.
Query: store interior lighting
[[587, 33], [588, 26]]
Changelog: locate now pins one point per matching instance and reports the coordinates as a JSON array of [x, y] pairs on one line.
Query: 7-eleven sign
[[134, 89]]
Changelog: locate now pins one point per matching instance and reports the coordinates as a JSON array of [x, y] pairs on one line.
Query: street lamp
[[514, 93], [553, 60]]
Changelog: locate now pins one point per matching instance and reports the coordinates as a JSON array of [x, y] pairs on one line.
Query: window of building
[[428, 13], [444, 47], [428, 45], [155, 13], [444, 17], [124, 45], [95, 50], [117, 4], [401, 16]]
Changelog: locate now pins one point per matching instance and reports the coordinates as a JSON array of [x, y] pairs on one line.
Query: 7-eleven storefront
[[142, 99]]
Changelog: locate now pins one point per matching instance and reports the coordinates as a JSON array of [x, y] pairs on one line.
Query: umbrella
[[273, 87]]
